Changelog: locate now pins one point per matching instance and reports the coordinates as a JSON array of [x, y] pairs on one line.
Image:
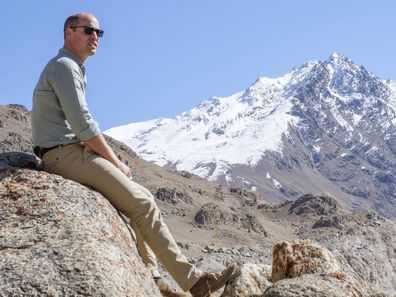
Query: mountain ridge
[[319, 121]]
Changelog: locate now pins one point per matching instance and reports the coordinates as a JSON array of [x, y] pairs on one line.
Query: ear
[[69, 31]]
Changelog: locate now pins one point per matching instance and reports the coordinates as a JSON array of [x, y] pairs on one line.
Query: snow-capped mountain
[[327, 127]]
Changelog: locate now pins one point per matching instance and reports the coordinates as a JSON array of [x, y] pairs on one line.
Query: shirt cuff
[[91, 131]]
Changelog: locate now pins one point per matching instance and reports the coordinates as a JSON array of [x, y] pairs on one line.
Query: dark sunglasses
[[89, 30]]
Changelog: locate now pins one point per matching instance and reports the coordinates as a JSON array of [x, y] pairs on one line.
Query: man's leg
[[77, 162], [149, 259], [147, 255]]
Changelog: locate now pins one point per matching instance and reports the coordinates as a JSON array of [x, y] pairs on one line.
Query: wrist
[[117, 163]]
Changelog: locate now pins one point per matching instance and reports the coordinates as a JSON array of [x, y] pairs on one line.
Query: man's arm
[[99, 145], [67, 82]]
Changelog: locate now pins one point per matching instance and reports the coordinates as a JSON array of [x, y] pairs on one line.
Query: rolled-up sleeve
[[68, 84]]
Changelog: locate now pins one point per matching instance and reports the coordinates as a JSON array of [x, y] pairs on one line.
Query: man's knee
[[146, 209]]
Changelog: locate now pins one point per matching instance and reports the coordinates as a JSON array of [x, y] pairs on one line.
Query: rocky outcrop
[[15, 131], [248, 197], [59, 238], [315, 285], [172, 196], [333, 221], [253, 280], [301, 268], [315, 272], [212, 213], [295, 259], [314, 205]]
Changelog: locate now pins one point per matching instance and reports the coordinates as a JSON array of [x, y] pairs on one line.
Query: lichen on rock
[[59, 238]]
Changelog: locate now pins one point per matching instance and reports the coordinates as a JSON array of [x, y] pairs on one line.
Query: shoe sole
[[228, 275]]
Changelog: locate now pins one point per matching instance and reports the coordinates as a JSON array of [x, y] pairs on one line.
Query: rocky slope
[[15, 132], [58, 238], [215, 224], [327, 127], [78, 245]]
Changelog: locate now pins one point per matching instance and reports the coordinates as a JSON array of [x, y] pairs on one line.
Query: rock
[[15, 132], [172, 196], [182, 245], [295, 259], [333, 221], [209, 249], [19, 159], [315, 285], [250, 198], [316, 205], [251, 223], [185, 174], [59, 238], [253, 280], [196, 260], [211, 213], [362, 253], [382, 294], [19, 112]]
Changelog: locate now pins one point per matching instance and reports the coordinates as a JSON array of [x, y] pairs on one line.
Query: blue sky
[[160, 58]]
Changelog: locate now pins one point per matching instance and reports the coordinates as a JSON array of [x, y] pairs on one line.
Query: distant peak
[[305, 67], [337, 58]]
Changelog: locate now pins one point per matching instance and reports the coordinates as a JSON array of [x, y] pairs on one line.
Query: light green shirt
[[60, 112]]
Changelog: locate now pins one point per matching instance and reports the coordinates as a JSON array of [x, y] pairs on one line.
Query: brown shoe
[[212, 281], [167, 290]]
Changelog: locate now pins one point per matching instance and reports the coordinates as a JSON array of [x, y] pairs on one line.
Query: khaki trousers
[[79, 163]]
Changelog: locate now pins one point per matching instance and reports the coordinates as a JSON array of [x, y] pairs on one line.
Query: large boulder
[[305, 268], [59, 238], [300, 269], [295, 259], [253, 280], [19, 160], [316, 285]]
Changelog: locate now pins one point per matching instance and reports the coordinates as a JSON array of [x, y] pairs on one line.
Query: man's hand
[[99, 145], [125, 169]]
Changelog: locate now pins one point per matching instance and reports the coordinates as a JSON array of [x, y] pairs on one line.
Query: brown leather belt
[[40, 151]]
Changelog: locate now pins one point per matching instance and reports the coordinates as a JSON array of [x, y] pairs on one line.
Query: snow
[[277, 184], [240, 129], [392, 86], [228, 179], [340, 119], [316, 148], [244, 180], [356, 118], [237, 129]]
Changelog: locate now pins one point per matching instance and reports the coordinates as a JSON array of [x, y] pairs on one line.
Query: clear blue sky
[[160, 58]]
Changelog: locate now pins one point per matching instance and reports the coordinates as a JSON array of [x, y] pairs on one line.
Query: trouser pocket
[[61, 159]]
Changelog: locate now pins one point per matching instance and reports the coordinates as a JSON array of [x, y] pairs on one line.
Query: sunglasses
[[89, 30]]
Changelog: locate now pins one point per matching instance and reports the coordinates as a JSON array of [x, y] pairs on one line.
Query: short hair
[[71, 21]]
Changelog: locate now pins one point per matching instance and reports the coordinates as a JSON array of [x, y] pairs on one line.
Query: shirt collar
[[68, 53]]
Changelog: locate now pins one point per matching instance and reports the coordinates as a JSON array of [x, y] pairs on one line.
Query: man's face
[[83, 44]]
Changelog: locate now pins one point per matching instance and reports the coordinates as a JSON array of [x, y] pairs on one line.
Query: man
[[68, 140]]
